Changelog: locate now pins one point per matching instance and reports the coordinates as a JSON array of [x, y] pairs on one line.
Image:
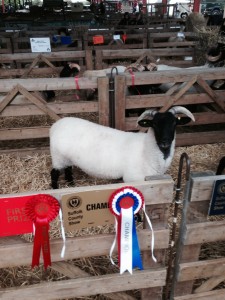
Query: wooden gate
[[196, 278], [158, 195], [186, 87]]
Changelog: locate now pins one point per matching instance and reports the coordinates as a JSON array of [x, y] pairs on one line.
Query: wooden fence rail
[[103, 57], [15, 251], [31, 102], [196, 230], [178, 94], [46, 63], [21, 97]]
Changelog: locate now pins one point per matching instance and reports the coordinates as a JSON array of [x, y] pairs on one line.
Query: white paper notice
[[40, 44]]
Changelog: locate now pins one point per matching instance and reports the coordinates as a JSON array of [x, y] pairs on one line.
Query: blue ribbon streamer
[[137, 261]]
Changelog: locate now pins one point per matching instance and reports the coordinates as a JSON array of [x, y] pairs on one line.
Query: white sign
[[180, 34], [116, 37], [40, 44]]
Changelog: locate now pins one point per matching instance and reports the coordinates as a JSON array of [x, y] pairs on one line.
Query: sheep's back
[[98, 150]]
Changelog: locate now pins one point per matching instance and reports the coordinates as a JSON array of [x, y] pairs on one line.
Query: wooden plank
[[209, 284], [151, 190], [120, 102], [158, 100], [23, 133], [198, 138], [201, 269], [98, 60], [206, 87], [76, 247], [39, 102], [204, 118], [8, 98], [69, 270], [179, 94], [157, 52], [103, 100], [72, 271], [202, 187], [43, 84], [204, 232], [53, 56], [213, 295], [89, 60], [39, 58], [36, 71], [173, 44], [33, 64], [181, 75], [58, 108], [87, 286], [18, 152]]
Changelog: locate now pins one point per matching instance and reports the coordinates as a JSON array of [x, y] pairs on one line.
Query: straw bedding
[[31, 173]]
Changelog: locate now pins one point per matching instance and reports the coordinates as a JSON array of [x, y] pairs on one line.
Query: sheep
[[109, 153], [164, 87], [70, 69], [103, 72]]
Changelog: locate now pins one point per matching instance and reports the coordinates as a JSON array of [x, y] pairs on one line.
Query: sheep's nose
[[164, 145]]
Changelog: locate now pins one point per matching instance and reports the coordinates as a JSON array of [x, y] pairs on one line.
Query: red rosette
[[42, 206], [42, 209]]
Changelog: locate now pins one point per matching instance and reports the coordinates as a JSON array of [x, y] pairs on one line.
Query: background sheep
[[69, 70], [110, 153]]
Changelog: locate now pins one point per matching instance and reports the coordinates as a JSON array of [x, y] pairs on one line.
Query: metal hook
[[111, 73]]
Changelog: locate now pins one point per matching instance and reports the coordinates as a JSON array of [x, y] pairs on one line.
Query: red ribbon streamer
[[77, 86], [41, 242], [76, 82], [42, 209], [132, 77]]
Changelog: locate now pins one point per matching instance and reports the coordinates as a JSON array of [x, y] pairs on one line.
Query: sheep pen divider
[[158, 195], [198, 229], [30, 103], [183, 80], [84, 58]]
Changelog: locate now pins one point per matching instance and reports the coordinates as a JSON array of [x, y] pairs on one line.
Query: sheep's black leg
[[221, 166], [69, 175], [54, 178]]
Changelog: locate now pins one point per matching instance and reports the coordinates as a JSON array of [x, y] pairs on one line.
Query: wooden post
[[120, 101], [98, 60], [89, 60], [103, 100]]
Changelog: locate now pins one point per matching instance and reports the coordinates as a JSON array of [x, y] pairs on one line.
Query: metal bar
[[112, 98], [184, 157]]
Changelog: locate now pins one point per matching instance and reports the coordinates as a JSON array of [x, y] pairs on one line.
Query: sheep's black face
[[164, 125]]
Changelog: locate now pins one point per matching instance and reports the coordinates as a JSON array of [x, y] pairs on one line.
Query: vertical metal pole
[[177, 203], [112, 98]]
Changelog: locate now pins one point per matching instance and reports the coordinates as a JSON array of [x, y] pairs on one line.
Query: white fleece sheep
[[110, 153]]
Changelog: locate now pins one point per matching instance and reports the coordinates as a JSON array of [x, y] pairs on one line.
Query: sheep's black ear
[[183, 120], [145, 123]]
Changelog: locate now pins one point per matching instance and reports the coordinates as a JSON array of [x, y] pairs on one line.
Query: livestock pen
[[86, 269], [208, 104], [30, 173]]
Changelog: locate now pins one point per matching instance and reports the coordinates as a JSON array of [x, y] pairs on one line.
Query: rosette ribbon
[[42, 209], [124, 203]]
